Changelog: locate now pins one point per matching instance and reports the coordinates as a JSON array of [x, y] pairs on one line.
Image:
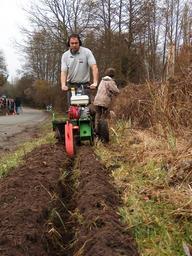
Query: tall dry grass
[[167, 105]]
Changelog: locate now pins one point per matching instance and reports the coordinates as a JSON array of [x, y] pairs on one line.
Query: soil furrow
[[47, 209], [100, 231], [26, 198]]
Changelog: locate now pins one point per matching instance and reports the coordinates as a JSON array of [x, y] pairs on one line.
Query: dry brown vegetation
[[166, 106], [155, 180], [150, 156]]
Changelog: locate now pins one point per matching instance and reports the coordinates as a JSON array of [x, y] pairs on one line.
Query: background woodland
[[143, 40]]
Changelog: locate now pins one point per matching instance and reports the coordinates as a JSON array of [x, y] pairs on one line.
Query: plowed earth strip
[[100, 233], [37, 210]]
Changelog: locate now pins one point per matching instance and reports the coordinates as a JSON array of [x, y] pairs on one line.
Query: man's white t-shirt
[[78, 65]]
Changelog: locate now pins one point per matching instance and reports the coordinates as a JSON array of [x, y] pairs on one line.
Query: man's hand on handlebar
[[64, 87], [93, 86]]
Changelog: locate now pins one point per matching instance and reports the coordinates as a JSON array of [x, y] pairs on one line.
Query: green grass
[[15, 158], [158, 215], [148, 216]]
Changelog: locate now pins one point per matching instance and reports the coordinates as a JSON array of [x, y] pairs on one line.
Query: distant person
[[76, 64], [1, 105], [18, 105], [4, 105], [1, 102], [106, 90], [10, 106]]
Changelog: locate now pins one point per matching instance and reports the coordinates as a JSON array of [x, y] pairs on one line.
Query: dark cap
[[110, 72]]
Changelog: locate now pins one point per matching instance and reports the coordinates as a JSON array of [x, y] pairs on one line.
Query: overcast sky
[[12, 17]]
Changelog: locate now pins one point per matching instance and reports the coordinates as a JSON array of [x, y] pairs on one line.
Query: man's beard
[[74, 51]]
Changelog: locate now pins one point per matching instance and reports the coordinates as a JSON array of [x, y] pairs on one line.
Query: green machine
[[78, 125]]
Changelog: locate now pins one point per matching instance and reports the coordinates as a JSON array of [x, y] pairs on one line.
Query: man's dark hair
[[74, 36], [110, 72]]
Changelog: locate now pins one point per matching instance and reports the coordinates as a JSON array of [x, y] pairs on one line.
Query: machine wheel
[[92, 139], [69, 139], [103, 131], [92, 135], [58, 135]]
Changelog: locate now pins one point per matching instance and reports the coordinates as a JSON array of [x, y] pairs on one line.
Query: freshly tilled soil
[[25, 199], [46, 209], [100, 233]]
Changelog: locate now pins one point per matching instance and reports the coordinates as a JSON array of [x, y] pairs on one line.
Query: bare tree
[[131, 35], [53, 20], [42, 56], [3, 69]]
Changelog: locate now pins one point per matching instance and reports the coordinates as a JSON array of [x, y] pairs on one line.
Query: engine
[[74, 112]]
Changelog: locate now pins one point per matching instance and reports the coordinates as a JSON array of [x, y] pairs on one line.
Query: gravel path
[[15, 129]]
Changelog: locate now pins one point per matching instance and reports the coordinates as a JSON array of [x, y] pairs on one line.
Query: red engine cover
[[73, 112]]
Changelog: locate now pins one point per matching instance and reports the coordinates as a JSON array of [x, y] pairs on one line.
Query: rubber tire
[[92, 140], [58, 135], [103, 131], [69, 140]]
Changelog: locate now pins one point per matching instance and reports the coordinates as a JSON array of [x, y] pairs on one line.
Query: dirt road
[[15, 129]]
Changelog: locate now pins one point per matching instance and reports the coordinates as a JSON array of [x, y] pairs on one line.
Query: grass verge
[[157, 209], [15, 158]]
